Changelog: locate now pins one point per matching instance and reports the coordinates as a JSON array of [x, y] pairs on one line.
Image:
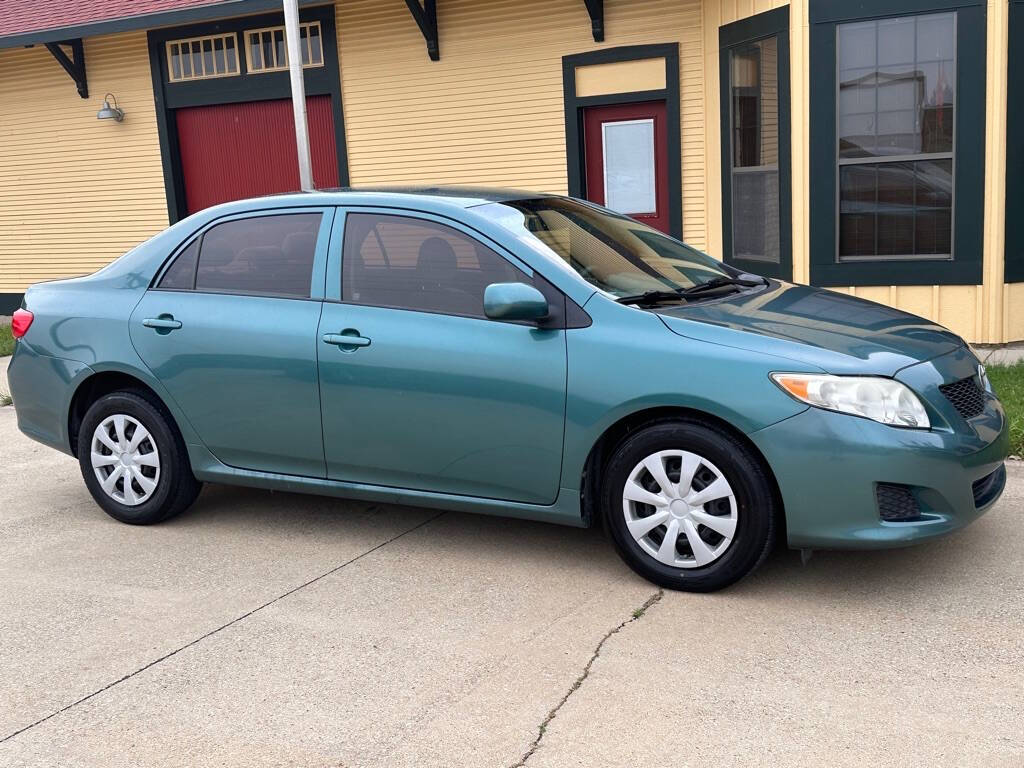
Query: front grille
[[989, 487], [966, 396], [896, 503]]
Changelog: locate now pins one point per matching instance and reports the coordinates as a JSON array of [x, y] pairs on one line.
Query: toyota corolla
[[510, 353]]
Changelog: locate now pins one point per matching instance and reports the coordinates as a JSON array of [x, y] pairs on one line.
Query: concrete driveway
[[271, 629]]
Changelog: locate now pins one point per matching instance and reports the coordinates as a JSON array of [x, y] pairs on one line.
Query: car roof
[[443, 195]]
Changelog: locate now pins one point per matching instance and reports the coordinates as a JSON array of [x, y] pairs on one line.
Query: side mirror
[[514, 301]]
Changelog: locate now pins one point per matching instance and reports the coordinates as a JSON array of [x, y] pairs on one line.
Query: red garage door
[[232, 151]]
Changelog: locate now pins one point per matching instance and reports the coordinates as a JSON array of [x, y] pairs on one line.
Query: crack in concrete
[[542, 728], [213, 632]]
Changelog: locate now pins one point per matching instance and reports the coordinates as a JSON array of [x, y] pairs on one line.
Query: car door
[[419, 389], [230, 330]]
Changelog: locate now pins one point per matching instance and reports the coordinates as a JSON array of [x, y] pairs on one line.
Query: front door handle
[[349, 340], [162, 323]]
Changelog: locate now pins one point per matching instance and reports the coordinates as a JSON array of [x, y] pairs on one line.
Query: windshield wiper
[[723, 284], [652, 297], [741, 281]]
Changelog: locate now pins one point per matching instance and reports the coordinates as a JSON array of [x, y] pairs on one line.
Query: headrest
[[436, 255]]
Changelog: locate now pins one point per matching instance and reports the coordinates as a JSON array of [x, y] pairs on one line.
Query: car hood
[[831, 331]]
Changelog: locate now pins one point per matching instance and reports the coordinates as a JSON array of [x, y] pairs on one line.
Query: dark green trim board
[[325, 80], [10, 302], [774, 23], [832, 11], [965, 268], [1015, 148], [574, 106]]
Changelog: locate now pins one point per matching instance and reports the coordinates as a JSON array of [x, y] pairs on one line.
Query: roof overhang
[[216, 9]]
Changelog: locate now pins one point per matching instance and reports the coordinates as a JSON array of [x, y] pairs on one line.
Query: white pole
[[291, 33]]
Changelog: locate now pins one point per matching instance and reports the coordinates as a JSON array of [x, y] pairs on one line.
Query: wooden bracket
[[426, 19], [74, 66], [596, 10]]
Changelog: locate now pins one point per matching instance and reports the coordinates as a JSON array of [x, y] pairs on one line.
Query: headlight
[[873, 397]]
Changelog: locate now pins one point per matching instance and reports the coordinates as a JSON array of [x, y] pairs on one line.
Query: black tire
[[176, 486], [756, 506]]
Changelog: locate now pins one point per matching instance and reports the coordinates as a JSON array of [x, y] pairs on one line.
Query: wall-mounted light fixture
[[108, 112]]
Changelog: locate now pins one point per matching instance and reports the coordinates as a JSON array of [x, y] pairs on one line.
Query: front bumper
[[828, 466]]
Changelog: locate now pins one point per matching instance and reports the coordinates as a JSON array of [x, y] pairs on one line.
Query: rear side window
[[260, 255], [407, 263]]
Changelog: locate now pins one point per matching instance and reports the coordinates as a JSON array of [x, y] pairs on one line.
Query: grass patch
[[1008, 383], [5, 399], [6, 340]]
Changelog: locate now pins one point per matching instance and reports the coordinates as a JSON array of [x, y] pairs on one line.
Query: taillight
[[20, 322]]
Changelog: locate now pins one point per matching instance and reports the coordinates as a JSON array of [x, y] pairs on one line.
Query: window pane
[[279, 48], [218, 56], [230, 54], [180, 274], [315, 45], [755, 215], [175, 62], [266, 254], [197, 59], [897, 85], [268, 50], [395, 261], [304, 44], [208, 58], [255, 51], [934, 200], [857, 210], [629, 185]]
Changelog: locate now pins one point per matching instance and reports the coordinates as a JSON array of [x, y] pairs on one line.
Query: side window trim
[[318, 280]]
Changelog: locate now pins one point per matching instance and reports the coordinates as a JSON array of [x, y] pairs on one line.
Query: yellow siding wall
[[980, 313], [491, 111], [75, 192]]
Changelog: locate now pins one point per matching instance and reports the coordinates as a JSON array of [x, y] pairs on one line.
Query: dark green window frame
[[1015, 149], [774, 23], [965, 267]]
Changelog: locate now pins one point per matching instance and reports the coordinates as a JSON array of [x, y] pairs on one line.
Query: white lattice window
[[200, 58], [266, 51]]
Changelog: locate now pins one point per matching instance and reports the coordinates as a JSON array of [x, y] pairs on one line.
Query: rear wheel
[[688, 506], [134, 461]]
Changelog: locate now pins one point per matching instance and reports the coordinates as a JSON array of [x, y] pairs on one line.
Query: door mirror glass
[[514, 301]]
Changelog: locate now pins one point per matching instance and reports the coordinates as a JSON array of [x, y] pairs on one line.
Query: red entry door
[[626, 150], [233, 151]]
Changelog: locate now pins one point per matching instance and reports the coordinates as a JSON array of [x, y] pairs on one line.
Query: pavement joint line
[[542, 728], [212, 632]]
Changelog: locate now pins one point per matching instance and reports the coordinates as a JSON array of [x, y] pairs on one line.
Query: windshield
[[612, 252]]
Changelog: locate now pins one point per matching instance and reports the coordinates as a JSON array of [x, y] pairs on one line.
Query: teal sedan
[[510, 353]]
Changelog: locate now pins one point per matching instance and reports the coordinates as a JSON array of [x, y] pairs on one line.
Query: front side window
[[896, 110], [417, 264], [264, 255], [613, 252]]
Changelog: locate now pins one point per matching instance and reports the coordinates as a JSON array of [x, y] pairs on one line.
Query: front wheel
[[688, 506], [134, 461]]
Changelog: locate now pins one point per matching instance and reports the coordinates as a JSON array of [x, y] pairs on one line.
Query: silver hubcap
[[680, 509], [125, 459]]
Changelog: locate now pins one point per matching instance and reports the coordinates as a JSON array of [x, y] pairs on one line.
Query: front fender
[[651, 367]]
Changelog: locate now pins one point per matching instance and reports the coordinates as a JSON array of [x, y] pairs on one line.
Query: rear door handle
[[164, 322], [348, 338]]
